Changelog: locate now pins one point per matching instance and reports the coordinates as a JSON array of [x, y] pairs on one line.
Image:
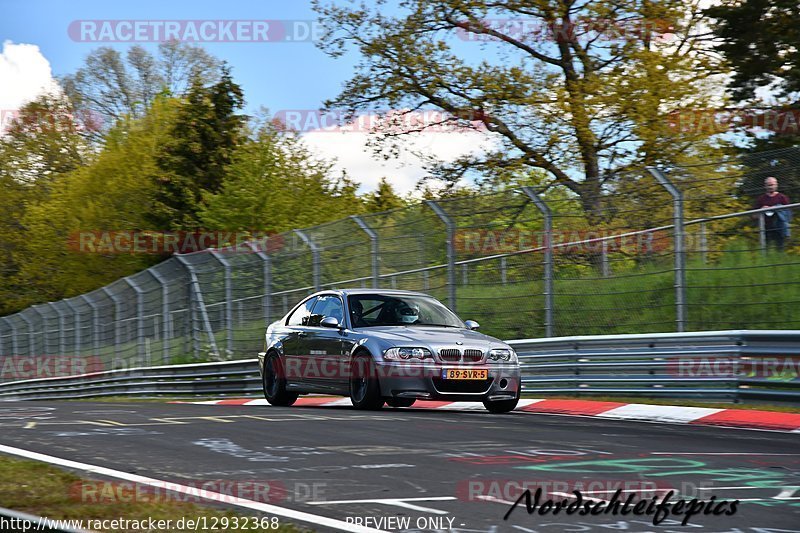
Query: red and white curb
[[699, 416]]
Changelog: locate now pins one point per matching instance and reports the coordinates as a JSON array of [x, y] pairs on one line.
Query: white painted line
[[465, 406], [397, 502], [661, 413], [340, 402], [257, 402], [211, 496], [526, 403], [722, 453]]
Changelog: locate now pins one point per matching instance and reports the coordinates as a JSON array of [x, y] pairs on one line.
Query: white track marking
[[211, 496], [661, 413]]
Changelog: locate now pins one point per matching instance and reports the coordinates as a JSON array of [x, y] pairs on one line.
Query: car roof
[[346, 292]]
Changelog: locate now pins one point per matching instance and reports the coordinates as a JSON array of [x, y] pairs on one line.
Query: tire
[[400, 402], [274, 382], [365, 390], [501, 406]]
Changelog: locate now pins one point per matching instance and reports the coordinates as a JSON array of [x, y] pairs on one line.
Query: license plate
[[463, 373]]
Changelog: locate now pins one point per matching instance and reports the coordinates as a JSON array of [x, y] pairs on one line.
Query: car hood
[[428, 335]]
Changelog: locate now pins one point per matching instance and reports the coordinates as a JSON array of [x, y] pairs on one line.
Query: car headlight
[[406, 354], [502, 354]]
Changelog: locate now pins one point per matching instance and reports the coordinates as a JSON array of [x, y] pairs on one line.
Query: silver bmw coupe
[[385, 347]]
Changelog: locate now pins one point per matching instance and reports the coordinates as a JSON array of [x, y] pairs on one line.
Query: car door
[[294, 345], [324, 345]]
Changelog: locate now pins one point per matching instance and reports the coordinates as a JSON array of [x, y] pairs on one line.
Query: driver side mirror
[[329, 322], [471, 324]]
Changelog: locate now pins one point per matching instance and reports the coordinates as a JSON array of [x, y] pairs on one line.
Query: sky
[[42, 40]]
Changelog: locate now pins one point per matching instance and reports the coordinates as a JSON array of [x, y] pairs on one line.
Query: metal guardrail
[[727, 365]]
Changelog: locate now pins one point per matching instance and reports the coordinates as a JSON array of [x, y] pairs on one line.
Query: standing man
[[776, 223]]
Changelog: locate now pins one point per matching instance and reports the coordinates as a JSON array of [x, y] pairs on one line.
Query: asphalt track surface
[[442, 470]]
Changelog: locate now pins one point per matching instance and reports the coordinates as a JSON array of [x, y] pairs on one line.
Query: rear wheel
[[365, 391], [400, 402], [274, 379]]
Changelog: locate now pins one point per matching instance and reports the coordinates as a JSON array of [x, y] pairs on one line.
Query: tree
[[113, 192], [275, 184], [573, 100], [109, 87], [761, 40], [207, 132], [384, 198]]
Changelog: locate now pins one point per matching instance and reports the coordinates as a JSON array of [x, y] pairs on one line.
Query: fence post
[[451, 253], [197, 294], [76, 325], [140, 337], [267, 263], [503, 270], [61, 326], [95, 322], [762, 233], [43, 322], [703, 243], [31, 334], [117, 314], [165, 316], [680, 254], [314, 257], [228, 300], [13, 328], [549, 324], [373, 239], [606, 271]]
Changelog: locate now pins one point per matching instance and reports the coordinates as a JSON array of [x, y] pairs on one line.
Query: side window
[[328, 305], [301, 314]]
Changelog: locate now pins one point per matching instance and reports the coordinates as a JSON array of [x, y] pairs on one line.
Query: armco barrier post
[[451, 252], [315, 261], [267, 266], [680, 253], [549, 324], [197, 294], [166, 319], [228, 300], [374, 249]]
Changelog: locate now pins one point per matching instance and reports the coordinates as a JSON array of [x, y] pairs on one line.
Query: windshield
[[371, 310]]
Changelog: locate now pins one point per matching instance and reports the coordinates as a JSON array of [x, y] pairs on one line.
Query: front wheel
[[274, 381], [365, 391], [501, 406], [400, 402]]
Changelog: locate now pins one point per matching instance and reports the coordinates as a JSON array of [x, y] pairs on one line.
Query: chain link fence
[[658, 250]]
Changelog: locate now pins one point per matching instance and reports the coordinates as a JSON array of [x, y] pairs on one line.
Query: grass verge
[[43, 490]]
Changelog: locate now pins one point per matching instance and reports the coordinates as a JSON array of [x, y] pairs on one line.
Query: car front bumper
[[426, 382]]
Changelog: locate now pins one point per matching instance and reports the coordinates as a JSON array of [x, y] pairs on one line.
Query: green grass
[[43, 490]]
